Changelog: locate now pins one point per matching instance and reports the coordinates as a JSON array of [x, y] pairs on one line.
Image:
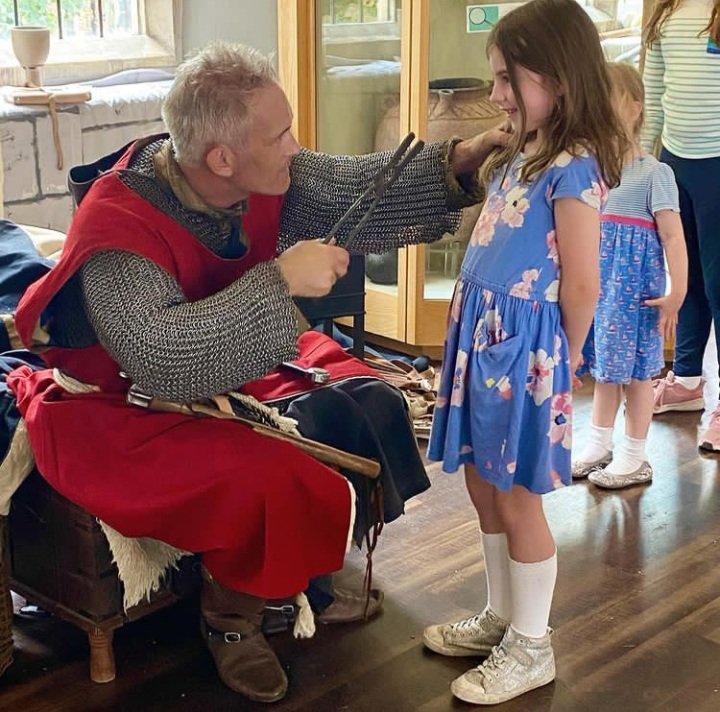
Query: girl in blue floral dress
[[634, 314], [518, 320]]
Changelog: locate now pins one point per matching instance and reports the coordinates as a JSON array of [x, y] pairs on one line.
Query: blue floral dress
[[505, 395], [625, 342]]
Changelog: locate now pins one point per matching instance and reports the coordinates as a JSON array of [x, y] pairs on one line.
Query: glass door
[[358, 80], [451, 98]]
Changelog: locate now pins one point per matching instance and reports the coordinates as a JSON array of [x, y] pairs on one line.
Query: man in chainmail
[[178, 275]]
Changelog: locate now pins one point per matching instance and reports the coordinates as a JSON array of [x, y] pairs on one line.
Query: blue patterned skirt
[[505, 395], [624, 342]]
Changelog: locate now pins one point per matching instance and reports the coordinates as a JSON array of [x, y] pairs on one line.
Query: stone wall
[[35, 190]]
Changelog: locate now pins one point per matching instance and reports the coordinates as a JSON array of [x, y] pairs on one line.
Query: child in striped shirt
[[625, 346], [682, 85]]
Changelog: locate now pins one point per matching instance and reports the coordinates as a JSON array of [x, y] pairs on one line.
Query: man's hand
[[470, 154], [311, 268]]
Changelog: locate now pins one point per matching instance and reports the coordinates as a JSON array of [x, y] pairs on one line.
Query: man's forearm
[[420, 207], [183, 350]]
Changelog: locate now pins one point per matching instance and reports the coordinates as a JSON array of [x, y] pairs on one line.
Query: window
[[92, 38], [619, 24], [336, 12], [72, 18]]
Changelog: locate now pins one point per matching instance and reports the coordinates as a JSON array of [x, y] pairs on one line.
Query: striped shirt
[[646, 187], [682, 85]]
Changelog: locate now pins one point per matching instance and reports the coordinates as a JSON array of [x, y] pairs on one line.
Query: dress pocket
[[497, 376], [499, 360]]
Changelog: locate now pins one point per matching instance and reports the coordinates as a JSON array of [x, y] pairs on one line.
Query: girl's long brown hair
[[662, 11], [557, 40]]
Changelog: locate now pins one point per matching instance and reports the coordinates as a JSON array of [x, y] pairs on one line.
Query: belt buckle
[[137, 397]]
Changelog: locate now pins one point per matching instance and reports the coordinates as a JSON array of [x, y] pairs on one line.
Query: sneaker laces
[[494, 664], [661, 384], [467, 625], [659, 387]]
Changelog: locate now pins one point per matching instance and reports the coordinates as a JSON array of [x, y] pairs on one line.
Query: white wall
[[252, 22]]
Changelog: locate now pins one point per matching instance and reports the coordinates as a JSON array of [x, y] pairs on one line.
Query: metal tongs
[[381, 181]]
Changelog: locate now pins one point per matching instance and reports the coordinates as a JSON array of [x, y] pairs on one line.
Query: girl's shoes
[[607, 480], [474, 636], [580, 469], [515, 666]]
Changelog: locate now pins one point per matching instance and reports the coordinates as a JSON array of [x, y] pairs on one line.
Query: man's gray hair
[[209, 100]]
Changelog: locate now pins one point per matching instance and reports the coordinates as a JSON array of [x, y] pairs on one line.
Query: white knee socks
[[497, 573], [598, 445], [517, 592], [532, 588]]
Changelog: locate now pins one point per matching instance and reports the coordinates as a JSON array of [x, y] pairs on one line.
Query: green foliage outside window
[[347, 11], [80, 18]]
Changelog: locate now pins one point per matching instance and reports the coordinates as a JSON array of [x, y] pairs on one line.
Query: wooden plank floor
[[636, 615]]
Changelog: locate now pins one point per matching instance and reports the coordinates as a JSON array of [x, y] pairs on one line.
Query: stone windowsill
[[108, 105]]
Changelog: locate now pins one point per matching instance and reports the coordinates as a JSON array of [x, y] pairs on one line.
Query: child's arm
[[673, 241], [577, 228]]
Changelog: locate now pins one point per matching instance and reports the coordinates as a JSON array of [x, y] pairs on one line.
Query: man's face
[[263, 163]]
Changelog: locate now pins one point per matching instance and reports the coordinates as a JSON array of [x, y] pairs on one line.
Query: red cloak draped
[[265, 516]]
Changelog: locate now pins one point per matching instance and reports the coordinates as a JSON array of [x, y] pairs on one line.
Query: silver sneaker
[[515, 666], [474, 636], [607, 480], [581, 469]]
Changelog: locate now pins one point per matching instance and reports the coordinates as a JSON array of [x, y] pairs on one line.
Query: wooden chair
[[347, 298], [59, 558], [60, 561]]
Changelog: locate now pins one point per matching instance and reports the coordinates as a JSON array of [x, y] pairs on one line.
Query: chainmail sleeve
[[421, 206], [181, 350]]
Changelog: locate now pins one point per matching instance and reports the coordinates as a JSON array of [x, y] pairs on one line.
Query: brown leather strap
[[371, 539], [325, 453]]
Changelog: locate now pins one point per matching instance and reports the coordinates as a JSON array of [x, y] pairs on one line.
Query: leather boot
[[349, 606], [231, 628]]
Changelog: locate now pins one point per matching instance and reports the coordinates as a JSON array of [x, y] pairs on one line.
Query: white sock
[[532, 592], [630, 455], [497, 573], [598, 445], [689, 382]]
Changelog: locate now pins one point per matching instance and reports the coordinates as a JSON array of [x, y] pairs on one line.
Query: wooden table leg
[[102, 658]]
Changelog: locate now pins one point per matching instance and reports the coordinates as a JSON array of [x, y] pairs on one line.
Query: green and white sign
[[482, 18]]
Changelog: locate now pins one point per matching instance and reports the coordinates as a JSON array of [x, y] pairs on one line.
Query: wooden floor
[[636, 613]]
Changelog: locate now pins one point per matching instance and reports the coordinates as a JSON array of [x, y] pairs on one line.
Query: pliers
[[381, 181]]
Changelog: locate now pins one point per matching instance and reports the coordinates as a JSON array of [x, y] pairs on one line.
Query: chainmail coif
[[181, 350]]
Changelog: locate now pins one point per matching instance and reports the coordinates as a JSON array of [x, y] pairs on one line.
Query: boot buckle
[[287, 611], [278, 618], [232, 637]]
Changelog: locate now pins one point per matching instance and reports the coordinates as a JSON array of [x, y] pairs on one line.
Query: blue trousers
[[698, 181]]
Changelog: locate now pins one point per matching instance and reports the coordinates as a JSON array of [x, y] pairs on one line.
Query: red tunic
[[265, 516]]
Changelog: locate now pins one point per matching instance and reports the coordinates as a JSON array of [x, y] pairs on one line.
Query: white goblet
[[31, 46]]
